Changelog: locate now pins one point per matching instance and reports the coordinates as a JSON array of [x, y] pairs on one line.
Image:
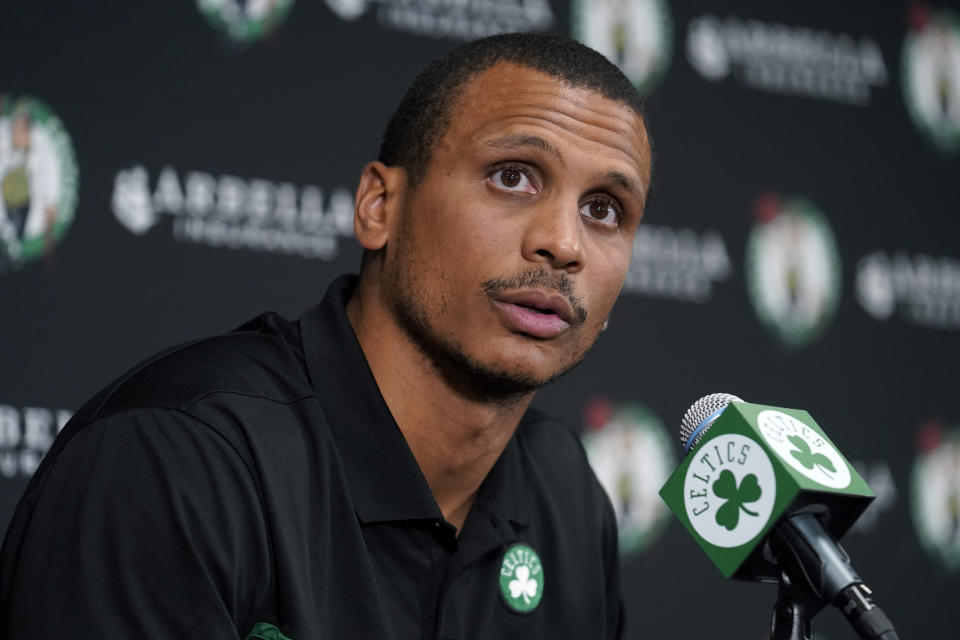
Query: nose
[[554, 235]]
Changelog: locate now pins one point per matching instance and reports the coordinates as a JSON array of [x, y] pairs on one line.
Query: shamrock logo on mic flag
[[728, 515], [805, 448], [807, 458]]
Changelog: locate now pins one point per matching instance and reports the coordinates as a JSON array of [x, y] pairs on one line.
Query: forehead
[[509, 95]]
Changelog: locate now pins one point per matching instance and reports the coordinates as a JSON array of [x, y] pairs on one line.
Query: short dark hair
[[423, 115]]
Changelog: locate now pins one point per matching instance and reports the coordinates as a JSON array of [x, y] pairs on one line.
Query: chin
[[499, 380], [492, 370], [512, 377]]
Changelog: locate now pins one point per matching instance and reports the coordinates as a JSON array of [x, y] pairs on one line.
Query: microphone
[[766, 495]]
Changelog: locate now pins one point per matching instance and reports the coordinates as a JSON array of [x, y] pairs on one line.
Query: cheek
[[444, 219], [609, 273], [470, 239]]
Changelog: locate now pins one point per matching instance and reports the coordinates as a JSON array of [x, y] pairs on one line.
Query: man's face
[[508, 255]]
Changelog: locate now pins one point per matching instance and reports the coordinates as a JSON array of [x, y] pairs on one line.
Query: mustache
[[540, 279]]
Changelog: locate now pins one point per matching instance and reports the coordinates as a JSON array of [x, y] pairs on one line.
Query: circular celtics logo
[[930, 65], [632, 457], [633, 34], [804, 449], [729, 490], [793, 269], [935, 494], [245, 20], [521, 578], [38, 180]]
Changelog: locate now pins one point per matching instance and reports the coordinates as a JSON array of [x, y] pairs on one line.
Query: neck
[[456, 437]]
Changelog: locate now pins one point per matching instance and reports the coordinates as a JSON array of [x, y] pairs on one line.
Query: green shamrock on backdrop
[[807, 458], [728, 515]]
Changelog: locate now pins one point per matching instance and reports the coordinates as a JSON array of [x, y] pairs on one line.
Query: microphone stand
[[793, 611], [821, 574]]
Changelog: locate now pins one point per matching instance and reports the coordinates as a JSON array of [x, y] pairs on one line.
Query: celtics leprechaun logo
[[636, 35], [935, 493], [38, 181], [521, 578], [930, 65], [245, 20], [628, 449], [792, 268]]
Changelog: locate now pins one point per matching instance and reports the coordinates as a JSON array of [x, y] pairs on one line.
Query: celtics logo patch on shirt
[[521, 578]]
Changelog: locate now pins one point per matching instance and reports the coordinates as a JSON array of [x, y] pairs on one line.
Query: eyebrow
[[517, 140], [636, 190]]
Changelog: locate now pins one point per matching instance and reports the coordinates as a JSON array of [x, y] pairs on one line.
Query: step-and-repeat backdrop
[[170, 169]]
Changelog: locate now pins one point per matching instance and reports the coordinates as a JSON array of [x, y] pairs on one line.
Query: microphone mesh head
[[700, 411]]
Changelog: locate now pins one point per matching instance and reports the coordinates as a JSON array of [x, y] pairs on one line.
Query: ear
[[377, 204]]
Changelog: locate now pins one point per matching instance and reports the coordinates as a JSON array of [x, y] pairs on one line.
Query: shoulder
[[165, 453], [188, 408], [146, 488], [260, 359], [198, 396]]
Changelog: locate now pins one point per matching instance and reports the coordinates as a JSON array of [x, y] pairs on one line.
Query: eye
[[512, 179], [601, 211]]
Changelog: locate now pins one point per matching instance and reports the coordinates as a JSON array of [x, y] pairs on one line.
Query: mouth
[[540, 302], [536, 313]]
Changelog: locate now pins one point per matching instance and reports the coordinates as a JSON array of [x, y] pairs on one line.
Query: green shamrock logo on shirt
[[728, 515], [807, 458], [521, 578], [524, 586]]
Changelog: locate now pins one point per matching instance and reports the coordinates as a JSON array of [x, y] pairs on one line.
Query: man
[[373, 471]]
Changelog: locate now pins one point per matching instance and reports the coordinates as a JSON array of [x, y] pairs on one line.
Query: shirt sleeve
[[147, 525]]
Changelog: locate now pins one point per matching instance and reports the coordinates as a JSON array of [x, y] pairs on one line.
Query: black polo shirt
[[256, 485]]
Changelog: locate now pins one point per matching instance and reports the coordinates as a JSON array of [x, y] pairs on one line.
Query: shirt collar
[[383, 476], [506, 488]]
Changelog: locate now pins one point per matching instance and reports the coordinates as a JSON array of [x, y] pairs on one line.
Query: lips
[[535, 313]]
